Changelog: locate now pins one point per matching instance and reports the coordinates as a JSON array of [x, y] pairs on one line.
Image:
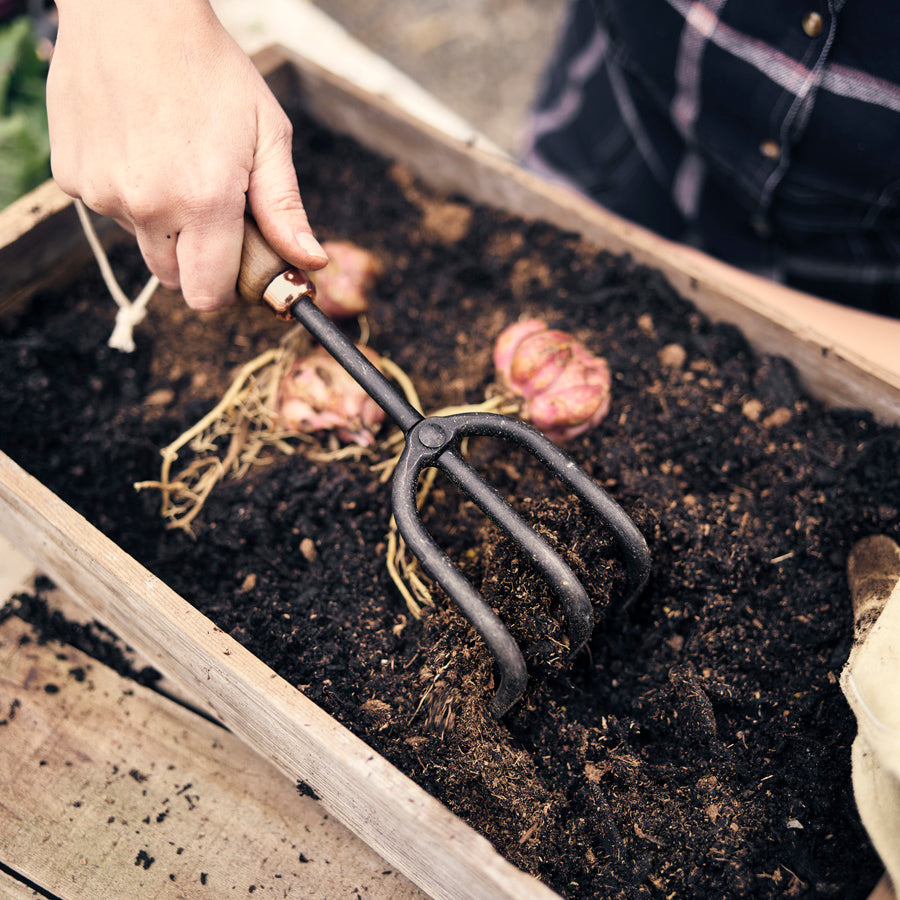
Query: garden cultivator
[[434, 441]]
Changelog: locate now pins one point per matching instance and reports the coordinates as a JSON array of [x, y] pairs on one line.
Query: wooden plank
[[112, 791], [15, 569], [13, 889], [403, 823], [78, 613], [42, 245], [844, 356]]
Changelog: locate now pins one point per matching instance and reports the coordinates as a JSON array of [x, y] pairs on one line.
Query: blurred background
[[482, 58]]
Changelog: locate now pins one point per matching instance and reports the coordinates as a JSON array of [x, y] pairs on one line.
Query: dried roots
[[242, 432]]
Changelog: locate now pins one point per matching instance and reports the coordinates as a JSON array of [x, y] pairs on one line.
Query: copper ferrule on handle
[[264, 277], [285, 290]]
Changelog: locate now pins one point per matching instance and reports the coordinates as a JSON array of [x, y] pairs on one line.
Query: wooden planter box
[[41, 244]]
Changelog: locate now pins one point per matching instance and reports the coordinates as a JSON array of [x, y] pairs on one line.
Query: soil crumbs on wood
[[700, 746]]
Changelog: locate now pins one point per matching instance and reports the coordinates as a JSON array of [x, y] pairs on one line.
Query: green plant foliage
[[24, 142]]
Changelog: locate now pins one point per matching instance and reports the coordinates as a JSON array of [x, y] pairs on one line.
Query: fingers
[[157, 246], [189, 225], [209, 259], [173, 139], [274, 196], [201, 259], [196, 246]]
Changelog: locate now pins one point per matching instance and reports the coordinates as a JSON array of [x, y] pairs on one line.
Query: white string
[[130, 313]]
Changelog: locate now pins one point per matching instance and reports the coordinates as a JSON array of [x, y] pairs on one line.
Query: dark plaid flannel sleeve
[[765, 132]]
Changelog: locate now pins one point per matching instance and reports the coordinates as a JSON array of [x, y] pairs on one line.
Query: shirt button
[[812, 24], [761, 226], [770, 149]]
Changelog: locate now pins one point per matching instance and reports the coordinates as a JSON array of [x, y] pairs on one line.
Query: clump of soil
[[700, 746]]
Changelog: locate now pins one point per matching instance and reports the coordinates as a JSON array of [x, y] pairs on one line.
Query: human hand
[[159, 120]]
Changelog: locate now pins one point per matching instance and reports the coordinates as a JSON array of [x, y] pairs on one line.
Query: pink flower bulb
[[344, 286], [564, 388], [316, 394]]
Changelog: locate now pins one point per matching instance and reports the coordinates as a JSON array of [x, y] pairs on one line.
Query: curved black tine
[[506, 652], [629, 540], [432, 442], [428, 443], [563, 581]]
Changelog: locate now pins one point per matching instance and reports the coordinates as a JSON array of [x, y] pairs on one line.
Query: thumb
[[274, 198]]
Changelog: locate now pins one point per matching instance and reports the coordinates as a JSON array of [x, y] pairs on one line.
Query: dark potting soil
[[700, 746]]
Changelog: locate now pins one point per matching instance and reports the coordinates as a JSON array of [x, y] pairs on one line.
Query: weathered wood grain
[[110, 790], [42, 245], [402, 822], [13, 889]]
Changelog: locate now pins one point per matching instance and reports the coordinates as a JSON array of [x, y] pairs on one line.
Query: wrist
[[138, 18]]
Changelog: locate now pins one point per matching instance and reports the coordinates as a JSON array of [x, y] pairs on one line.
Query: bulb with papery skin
[[316, 394], [565, 390], [344, 286], [506, 343]]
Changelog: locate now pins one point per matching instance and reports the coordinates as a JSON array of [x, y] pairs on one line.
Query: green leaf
[[24, 141], [24, 157]]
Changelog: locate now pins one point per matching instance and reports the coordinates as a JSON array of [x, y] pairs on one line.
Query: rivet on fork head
[[431, 435]]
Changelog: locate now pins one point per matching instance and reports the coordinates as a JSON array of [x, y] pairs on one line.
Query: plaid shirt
[[765, 132]]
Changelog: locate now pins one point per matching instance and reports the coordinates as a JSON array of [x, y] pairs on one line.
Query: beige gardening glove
[[159, 120], [871, 683]]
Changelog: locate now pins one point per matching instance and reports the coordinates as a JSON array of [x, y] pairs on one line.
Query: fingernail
[[310, 246]]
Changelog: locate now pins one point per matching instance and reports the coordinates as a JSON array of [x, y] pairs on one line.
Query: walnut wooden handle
[[266, 278], [260, 264]]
